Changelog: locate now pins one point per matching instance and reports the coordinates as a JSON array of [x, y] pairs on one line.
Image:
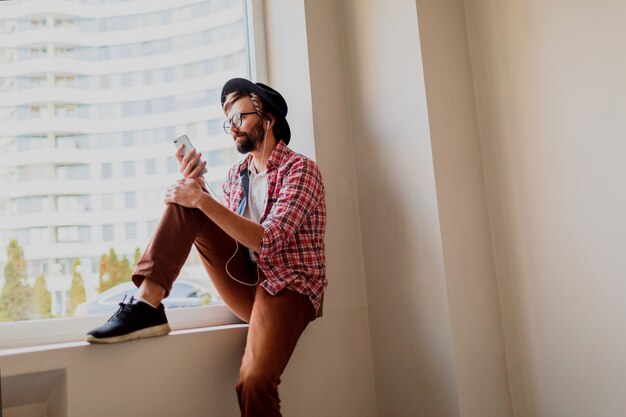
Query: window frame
[[25, 334]]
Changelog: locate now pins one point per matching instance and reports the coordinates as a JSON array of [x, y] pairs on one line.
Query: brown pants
[[276, 322]]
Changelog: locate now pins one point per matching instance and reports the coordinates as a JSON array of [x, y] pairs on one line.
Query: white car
[[184, 294]]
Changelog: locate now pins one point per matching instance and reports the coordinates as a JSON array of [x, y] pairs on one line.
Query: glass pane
[[84, 180]]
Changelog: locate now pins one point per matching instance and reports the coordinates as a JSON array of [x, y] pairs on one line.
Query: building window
[[38, 52], [73, 203], [131, 231], [63, 23], [73, 234], [41, 236], [129, 168], [130, 199], [37, 23], [72, 172], [37, 267], [65, 80], [151, 225], [106, 170], [172, 164], [33, 204], [150, 166], [25, 143], [23, 236], [107, 232], [108, 201]]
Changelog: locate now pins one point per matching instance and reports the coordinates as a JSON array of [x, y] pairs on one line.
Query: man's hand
[[186, 192], [187, 165]]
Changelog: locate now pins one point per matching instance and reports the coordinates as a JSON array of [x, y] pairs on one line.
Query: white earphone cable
[[258, 275]]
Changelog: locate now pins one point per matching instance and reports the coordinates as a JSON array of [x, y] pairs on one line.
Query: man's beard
[[251, 140]]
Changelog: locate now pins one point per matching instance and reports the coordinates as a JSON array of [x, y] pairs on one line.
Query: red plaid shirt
[[292, 249]]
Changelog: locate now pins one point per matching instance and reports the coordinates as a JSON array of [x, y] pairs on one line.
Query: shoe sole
[[154, 331]]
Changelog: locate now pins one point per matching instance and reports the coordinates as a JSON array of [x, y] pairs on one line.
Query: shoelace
[[123, 310]]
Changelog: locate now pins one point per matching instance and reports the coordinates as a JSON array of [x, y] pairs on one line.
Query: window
[[64, 23], [130, 199], [32, 204], [73, 234], [66, 110], [64, 52], [38, 52], [151, 225], [23, 236], [150, 166], [38, 23], [41, 236], [107, 232], [65, 80], [172, 164], [37, 267], [108, 201], [63, 266], [33, 172], [129, 140], [73, 202], [72, 172], [106, 170], [37, 81], [131, 231], [129, 168], [87, 177]]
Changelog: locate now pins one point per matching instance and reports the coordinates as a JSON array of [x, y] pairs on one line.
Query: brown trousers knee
[[276, 322]]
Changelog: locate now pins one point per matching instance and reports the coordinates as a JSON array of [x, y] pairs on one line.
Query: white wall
[[551, 95]]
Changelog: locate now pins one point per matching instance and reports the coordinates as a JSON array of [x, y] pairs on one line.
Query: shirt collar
[[252, 168], [278, 154]]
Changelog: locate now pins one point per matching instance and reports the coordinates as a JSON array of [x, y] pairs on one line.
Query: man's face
[[249, 136]]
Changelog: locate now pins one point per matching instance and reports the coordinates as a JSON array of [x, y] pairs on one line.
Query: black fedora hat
[[275, 103]]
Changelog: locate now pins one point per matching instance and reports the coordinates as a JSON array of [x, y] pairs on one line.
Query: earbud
[[268, 123]]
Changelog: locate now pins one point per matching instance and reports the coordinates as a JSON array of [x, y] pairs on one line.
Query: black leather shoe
[[133, 320]]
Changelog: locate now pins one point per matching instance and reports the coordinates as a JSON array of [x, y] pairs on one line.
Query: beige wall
[[432, 292], [407, 303], [551, 99], [475, 316]]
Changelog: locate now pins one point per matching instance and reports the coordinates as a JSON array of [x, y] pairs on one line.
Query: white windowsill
[[19, 337]]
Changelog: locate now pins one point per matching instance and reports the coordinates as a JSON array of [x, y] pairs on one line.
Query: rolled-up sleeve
[[301, 191]]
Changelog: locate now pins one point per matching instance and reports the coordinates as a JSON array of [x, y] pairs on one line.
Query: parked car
[[184, 294]]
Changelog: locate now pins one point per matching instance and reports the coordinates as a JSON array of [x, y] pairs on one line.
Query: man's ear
[[271, 119]]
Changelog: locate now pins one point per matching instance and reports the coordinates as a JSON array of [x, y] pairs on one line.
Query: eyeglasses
[[236, 120]]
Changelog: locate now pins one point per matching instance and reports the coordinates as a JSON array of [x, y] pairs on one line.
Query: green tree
[[77, 291], [42, 298], [113, 271], [104, 272], [16, 297], [137, 255]]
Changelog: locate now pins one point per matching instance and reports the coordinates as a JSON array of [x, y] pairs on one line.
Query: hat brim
[[245, 86]]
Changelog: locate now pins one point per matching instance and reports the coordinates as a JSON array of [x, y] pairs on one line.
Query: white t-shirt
[[257, 197]]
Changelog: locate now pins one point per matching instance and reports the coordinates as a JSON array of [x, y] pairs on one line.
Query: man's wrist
[[203, 201]]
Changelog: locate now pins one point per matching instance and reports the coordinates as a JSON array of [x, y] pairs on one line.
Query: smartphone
[[184, 140]]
